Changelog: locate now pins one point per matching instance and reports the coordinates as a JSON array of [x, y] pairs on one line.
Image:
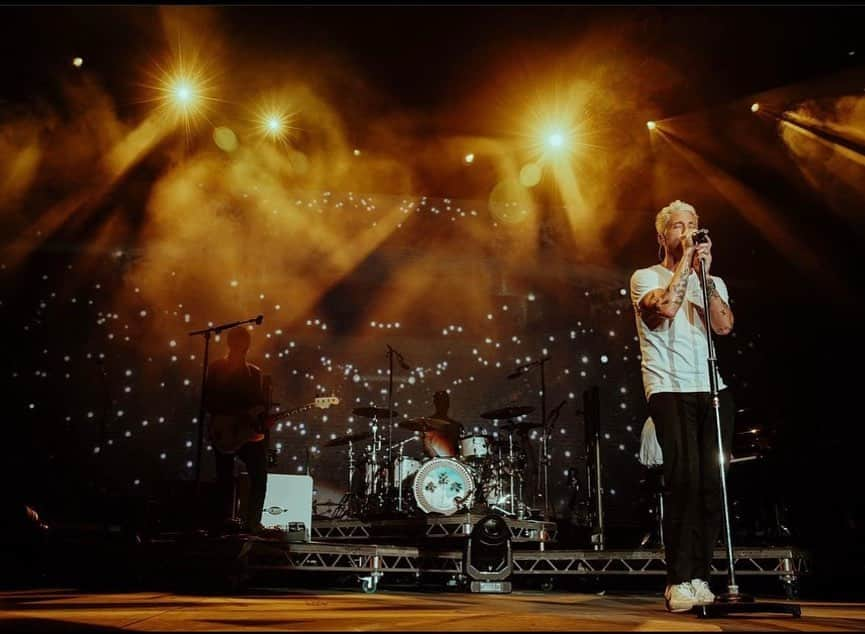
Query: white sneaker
[[680, 597], [702, 593]]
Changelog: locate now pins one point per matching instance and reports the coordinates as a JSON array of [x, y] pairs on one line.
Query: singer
[[671, 325]]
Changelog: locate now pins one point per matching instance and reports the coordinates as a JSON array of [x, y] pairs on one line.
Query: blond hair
[[663, 217]]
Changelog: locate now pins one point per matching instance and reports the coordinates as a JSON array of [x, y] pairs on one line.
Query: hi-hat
[[508, 412], [427, 424], [373, 412], [344, 440]]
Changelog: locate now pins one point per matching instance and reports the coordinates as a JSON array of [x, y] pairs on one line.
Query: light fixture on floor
[[488, 558]]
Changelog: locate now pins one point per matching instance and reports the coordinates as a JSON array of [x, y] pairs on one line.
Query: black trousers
[[254, 456], [693, 511]]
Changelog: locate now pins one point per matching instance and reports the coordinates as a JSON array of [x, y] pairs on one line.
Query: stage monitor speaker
[[287, 505]]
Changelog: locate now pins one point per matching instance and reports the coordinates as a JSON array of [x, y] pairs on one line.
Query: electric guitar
[[229, 432]]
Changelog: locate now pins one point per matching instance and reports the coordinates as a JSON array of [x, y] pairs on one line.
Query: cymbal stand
[[390, 355], [511, 463], [496, 474], [374, 458], [346, 502], [398, 474]]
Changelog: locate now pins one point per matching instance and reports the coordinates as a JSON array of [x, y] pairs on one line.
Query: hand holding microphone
[[703, 251]]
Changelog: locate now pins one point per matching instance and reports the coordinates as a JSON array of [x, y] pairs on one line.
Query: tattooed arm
[[719, 310], [662, 304]]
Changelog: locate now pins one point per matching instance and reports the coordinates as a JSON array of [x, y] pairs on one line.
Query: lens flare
[[651, 125]]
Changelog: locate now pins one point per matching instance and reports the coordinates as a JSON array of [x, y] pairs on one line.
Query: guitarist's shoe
[[226, 527]]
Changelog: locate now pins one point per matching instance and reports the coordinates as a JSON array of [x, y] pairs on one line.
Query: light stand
[[207, 332], [732, 601]]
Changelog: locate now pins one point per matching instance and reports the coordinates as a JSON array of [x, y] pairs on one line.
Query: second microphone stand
[[542, 488]]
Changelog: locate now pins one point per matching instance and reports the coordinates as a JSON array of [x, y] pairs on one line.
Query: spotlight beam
[[757, 213]]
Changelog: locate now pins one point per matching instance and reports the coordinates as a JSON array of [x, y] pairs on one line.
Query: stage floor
[[59, 610]]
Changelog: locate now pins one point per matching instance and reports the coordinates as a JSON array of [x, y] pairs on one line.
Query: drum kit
[[488, 472]]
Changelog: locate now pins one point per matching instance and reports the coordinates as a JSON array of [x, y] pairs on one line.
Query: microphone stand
[[542, 487], [732, 601], [207, 332]]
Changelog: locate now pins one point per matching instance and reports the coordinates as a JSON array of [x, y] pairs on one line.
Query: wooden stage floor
[[67, 610]]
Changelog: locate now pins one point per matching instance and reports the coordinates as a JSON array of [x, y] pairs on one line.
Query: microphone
[[400, 360], [700, 236], [259, 319], [521, 368], [558, 408]]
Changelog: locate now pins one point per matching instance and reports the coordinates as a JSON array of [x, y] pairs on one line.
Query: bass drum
[[442, 485]]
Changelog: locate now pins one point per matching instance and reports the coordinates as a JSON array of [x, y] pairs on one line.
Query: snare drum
[[442, 485], [475, 446]]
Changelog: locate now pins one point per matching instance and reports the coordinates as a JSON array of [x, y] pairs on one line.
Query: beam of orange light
[[756, 212], [576, 209], [414, 289], [841, 145], [119, 160]]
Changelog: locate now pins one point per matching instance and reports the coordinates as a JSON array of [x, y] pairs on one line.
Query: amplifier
[[287, 505]]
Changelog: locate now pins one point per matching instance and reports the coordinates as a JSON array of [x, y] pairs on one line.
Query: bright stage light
[[755, 107], [469, 158], [651, 125], [184, 93], [274, 125], [78, 62], [183, 90], [273, 120], [556, 140]]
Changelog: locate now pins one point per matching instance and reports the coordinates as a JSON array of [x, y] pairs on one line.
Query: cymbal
[[373, 412], [427, 424], [344, 440], [520, 427], [508, 412]]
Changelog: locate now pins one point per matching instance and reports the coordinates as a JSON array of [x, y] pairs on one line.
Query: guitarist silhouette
[[237, 403]]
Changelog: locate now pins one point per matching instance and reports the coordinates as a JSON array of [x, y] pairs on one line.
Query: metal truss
[[522, 531], [787, 564], [778, 562]]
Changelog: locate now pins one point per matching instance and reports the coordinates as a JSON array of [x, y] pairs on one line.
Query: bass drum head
[[442, 485]]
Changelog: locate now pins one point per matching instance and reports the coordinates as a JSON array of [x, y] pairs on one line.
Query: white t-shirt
[[675, 354]]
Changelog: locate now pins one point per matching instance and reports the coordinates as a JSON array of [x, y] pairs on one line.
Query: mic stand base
[[727, 604]]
